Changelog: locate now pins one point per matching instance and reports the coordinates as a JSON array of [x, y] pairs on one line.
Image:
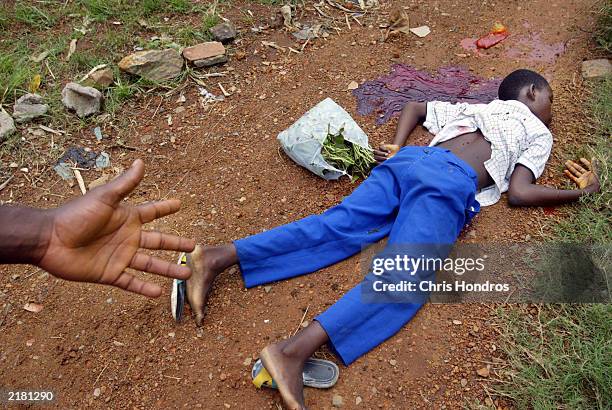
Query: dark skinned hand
[[385, 151], [585, 177], [96, 237]]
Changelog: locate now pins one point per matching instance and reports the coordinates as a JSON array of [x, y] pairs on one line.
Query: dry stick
[[347, 21], [79, 179], [100, 375], [5, 183], [161, 100], [301, 321]]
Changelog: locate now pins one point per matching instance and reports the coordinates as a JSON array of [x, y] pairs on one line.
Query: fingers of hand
[[157, 240], [121, 186], [151, 264], [155, 210], [571, 176], [586, 163], [131, 283], [574, 168]]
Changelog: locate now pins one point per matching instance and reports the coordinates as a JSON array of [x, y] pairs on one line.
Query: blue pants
[[421, 195]]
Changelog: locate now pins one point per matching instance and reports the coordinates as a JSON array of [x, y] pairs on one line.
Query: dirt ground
[[89, 337]]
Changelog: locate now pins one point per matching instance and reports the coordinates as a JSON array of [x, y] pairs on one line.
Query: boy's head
[[531, 89]]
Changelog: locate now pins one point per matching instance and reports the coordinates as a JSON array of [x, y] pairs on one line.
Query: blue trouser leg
[[418, 196], [317, 241], [433, 205]]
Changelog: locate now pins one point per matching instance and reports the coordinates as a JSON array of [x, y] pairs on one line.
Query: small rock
[[337, 400], [117, 343], [247, 361], [267, 289], [205, 54], [223, 32], [483, 372], [222, 376], [421, 31], [392, 362], [155, 65], [29, 342], [28, 107], [593, 69], [209, 62], [97, 392], [84, 100], [353, 85], [242, 199], [456, 322], [7, 125], [358, 400], [109, 300], [179, 109], [464, 382], [101, 79], [146, 139], [305, 324], [171, 334], [488, 401]]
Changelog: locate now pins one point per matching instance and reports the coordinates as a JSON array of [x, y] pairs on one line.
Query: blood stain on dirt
[[390, 93]]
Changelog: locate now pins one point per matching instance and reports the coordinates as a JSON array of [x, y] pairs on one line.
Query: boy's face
[[541, 104]]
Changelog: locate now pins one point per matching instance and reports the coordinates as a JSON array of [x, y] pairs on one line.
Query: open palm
[[96, 237]]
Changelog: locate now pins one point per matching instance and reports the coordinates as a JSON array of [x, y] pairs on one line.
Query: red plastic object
[[491, 39]]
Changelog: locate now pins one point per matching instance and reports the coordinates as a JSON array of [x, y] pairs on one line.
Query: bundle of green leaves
[[353, 159]]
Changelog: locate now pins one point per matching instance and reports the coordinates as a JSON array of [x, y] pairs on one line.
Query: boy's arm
[[524, 192], [413, 114]]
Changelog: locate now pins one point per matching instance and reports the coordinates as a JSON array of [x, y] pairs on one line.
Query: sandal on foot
[[318, 373], [179, 289]]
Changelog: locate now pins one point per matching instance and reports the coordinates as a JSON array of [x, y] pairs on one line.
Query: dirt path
[[88, 336]]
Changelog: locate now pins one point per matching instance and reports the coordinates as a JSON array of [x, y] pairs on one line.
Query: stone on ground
[[337, 400], [205, 54], [84, 100], [593, 69], [223, 32], [154, 65], [101, 79], [7, 125], [28, 107]]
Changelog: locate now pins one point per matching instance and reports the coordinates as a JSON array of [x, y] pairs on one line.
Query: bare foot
[[286, 370], [205, 263]]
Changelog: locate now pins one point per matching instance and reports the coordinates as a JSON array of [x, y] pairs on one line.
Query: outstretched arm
[[413, 114], [524, 192], [95, 238]]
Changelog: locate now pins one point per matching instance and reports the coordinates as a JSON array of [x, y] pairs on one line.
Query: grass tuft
[[33, 16], [560, 356], [603, 33]]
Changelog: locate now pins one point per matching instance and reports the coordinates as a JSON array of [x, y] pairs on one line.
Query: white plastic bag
[[303, 140]]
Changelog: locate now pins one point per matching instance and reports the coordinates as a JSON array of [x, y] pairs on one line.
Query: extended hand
[[385, 151], [96, 237], [585, 178]]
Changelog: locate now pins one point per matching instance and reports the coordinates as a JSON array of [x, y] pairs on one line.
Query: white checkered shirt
[[516, 135]]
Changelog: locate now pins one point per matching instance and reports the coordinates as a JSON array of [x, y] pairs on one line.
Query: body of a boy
[[416, 195]]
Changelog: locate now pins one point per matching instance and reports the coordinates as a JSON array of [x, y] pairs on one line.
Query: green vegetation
[[590, 220], [560, 356], [351, 158], [603, 34], [33, 16]]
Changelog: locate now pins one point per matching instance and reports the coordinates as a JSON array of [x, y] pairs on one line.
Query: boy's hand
[[585, 178], [385, 151]]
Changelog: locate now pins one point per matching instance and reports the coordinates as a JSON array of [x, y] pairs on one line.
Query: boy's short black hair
[[511, 86]]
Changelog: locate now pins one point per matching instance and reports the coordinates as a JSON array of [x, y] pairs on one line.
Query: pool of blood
[[387, 95]]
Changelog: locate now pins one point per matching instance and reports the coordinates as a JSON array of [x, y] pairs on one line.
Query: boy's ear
[[531, 92]]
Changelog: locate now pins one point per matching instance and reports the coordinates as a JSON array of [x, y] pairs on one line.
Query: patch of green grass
[[4, 17], [33, 16], [210, 20], [101, 10], [15, 75], [180, 6], [590, 220], [603, 33], [152, 6], [560, 357], [120, 92], [83, 61]]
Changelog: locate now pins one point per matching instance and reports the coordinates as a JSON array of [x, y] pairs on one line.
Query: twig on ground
[[80, 181], [100, 375], [301, 321], [5, 183]]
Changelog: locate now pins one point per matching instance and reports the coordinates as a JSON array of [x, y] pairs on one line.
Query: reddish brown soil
[[91, 336]]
